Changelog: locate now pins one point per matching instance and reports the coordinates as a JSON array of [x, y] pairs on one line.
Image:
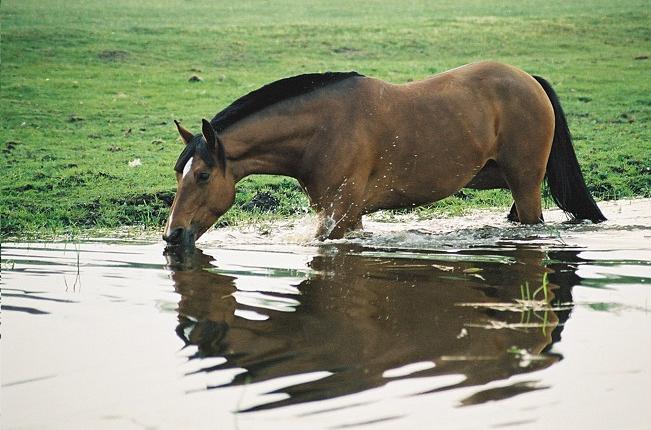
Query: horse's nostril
[[174, 236]]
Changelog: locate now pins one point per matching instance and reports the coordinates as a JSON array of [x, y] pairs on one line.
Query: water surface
[[480, 325]]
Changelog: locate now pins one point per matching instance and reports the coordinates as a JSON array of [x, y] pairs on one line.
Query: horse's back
[[478, 107], [431, 137]]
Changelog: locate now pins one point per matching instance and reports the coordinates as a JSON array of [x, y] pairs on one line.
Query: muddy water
[[458, 323]]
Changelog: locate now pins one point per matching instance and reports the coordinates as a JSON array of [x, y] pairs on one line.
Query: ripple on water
[[384, 329]]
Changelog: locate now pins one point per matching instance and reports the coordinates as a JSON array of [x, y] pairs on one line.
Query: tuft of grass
[[82, 100]]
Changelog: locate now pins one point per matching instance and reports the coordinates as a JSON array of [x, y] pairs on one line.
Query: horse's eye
[[203, 176]]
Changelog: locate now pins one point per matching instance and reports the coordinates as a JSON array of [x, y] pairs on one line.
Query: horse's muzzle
[[180, 237]]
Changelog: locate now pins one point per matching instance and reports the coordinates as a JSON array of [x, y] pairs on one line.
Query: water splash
[[479, 228]]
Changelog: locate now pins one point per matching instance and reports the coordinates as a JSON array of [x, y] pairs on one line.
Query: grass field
[[89, 85]]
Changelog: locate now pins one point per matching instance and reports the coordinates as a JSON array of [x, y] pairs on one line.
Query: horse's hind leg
[[491, 177], [528, 203], [524, 181], [513, 215], [523, 161]]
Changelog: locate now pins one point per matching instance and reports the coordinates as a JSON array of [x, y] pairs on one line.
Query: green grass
[[89, 85]]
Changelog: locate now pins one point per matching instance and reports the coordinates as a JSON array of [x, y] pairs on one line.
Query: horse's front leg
[[341, 212], [336, 222]]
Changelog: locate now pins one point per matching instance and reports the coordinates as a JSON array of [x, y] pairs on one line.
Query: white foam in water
[[479, 228]]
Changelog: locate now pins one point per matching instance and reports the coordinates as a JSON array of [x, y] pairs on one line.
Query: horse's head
[[205, 187]]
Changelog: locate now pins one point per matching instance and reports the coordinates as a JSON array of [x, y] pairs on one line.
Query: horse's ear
[[214, 144], [209, 134], [185, 134]]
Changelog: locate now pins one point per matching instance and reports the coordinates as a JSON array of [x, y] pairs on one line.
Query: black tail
[[563, 174]]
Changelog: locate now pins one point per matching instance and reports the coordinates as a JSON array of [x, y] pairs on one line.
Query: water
[[461, 324]]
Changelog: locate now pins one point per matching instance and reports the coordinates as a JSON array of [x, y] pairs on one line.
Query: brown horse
[[358, 144]]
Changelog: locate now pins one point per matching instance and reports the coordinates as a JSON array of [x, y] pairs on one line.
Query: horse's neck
[[269, 144]]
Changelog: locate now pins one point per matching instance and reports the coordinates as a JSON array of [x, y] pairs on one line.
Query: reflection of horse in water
[[361, 315]]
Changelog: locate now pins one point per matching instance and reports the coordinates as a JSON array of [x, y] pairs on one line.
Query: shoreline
[[297, 230]]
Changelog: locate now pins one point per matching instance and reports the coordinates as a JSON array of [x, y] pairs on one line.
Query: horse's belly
[[415, 183]]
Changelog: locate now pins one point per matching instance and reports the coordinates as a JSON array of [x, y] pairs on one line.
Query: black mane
[[273, 93], [255, 101]]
